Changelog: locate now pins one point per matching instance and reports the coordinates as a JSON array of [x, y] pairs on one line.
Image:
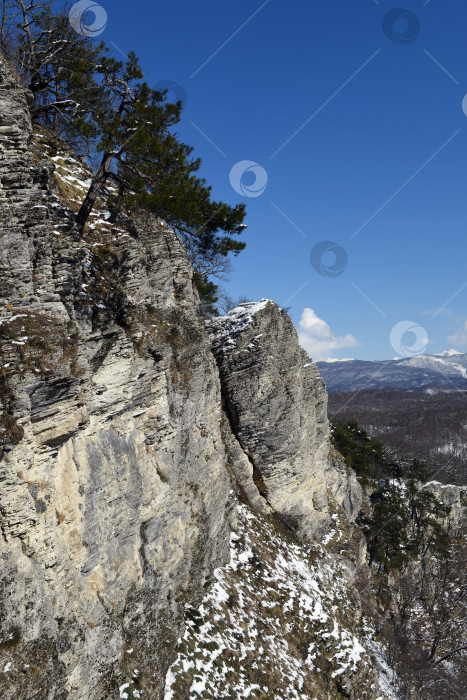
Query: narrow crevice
[[230, 413], [142, 549], [2, 526]]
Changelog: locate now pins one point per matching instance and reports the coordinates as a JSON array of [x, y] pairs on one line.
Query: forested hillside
[[430, 426], [415, 531]]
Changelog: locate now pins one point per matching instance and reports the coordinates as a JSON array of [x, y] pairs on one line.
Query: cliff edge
[[114, 498], [127, 432], [276, 404]]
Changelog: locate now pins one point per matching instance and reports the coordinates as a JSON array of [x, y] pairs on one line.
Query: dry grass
[[278, 623]]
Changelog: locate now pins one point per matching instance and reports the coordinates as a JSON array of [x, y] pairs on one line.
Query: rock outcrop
[[123, 439], [114, 497], [276, 403], [455, 498]]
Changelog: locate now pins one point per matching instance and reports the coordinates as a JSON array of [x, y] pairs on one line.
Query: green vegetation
[[362, 454], [208, 292], [105, 112], [404, 521], [417, 566]]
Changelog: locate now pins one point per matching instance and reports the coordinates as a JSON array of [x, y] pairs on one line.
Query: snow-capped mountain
[[445, 371]]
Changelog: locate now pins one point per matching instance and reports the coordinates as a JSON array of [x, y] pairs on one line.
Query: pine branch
[[451, 653]]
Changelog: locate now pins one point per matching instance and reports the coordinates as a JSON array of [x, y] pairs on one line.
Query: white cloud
[[460, 337], [317, 338]]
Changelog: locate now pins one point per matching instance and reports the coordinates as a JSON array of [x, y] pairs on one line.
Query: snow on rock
[[227, 328], [387, 677], [278, 622], [439, 485]]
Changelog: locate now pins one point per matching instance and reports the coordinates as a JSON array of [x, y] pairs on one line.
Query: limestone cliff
[[114, 497], [124, 441], [277, 407]]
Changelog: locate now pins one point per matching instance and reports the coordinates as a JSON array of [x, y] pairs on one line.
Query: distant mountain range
[[425, 373]]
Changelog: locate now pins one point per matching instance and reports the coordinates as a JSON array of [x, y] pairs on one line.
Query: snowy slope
[[279, 622]]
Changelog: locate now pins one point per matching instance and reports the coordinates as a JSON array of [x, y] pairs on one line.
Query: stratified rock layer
[[116, 459], [276, 403], [455, 498], [114, 497]]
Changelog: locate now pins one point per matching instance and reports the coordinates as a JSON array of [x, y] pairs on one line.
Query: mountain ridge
[[419, 373]]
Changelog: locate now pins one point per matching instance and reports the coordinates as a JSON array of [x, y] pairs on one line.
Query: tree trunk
[[118, 205], [434, 646], [98, 182]]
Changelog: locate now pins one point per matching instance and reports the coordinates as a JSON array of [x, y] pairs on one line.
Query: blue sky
[[379, 168]]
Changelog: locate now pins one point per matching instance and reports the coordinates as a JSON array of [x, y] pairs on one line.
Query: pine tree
[[103, 109], [57, 65], [154, 170], [385, 529], [208, 292], [406, 520]]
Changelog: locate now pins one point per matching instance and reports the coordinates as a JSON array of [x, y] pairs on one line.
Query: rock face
[[116, 459], [114, 497], [15, 180], [276, 403], [455, 497]]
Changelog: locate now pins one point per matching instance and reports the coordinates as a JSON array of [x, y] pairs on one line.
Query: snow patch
[[242, 638], [226, 329]]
